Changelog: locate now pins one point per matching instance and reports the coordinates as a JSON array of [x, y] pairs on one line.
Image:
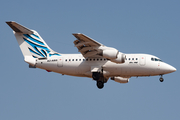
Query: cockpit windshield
[[156, 59]]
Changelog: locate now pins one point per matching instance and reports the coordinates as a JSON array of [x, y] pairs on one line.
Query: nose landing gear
[[161, 79]]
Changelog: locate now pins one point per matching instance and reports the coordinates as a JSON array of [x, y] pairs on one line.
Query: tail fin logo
[[30, 42], [37, 47]]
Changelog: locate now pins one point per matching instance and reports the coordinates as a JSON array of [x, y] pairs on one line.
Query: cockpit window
[[156, 59]]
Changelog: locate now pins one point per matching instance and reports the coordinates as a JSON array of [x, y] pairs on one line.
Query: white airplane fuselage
[[77, 65], [96, 60]]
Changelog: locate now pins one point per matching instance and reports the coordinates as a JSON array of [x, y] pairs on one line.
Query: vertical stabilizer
[[31, 43]]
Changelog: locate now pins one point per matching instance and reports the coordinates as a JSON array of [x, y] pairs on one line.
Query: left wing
[[91, 48]]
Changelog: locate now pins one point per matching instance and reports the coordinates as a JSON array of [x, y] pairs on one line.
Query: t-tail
[[31, 44]]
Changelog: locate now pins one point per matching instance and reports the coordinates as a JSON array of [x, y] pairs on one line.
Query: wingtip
[[9, 22], [76, 33]]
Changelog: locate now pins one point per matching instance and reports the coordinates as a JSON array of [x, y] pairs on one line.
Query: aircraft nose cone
[[172, 69], [168, 68]]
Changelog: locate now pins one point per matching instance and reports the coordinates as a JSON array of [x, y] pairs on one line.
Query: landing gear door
[[95, 69], [142, 60], [60, 62]]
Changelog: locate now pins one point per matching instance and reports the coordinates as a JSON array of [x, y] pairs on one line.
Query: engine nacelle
[[120, 79], [110, 53], [114, 55], [120, 58]]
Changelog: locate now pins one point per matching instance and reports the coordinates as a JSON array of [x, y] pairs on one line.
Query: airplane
[[96, 60]]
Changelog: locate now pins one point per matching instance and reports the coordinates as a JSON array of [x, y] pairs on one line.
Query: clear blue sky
[[131, 26]]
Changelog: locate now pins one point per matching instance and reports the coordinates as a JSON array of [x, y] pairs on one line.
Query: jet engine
[[120, 58], [114, 55], [120, 79], [110, 53]]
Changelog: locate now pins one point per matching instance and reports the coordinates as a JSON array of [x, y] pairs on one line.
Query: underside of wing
[[91, 48], [87, 46]]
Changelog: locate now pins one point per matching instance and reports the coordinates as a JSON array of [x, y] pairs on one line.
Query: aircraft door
[[60, 62], [142, 60]]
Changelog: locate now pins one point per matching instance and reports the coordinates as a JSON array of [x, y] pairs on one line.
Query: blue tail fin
[[30, 42]]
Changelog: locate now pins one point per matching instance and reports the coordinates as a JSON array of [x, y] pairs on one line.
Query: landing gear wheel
[[96, 75], [100, 84], [161, 79]]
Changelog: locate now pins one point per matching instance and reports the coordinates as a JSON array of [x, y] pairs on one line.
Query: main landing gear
[[98, 76], [100, 84], [161, 79]]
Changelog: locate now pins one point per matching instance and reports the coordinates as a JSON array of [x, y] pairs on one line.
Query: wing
[[91, 48], [87, 46]]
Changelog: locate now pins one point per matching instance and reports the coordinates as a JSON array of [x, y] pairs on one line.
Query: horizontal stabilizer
[[19, 28]]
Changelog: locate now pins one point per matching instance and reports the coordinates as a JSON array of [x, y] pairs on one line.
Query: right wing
[[87, 46], [91, 48]]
